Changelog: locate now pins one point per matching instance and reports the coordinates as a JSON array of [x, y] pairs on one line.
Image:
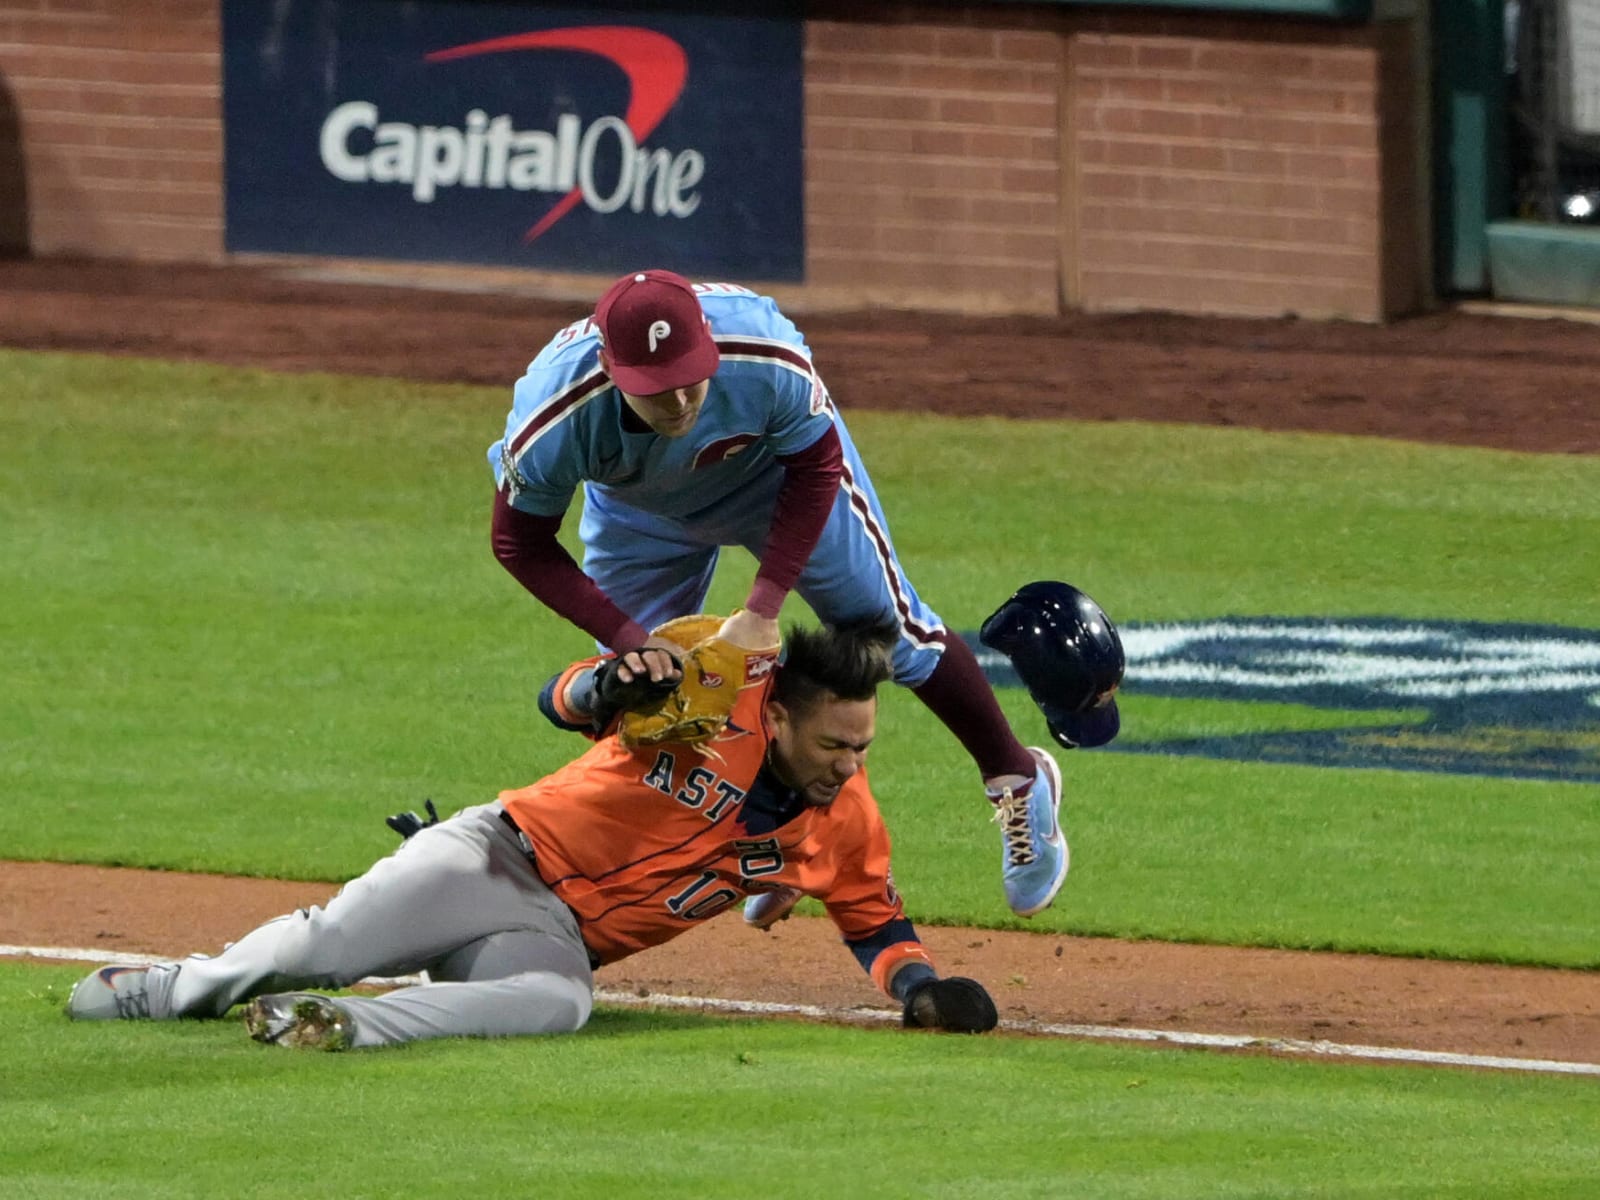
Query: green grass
[[244, 616], [247, 615], [688, 1106]]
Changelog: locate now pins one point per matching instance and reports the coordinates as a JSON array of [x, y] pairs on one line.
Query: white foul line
[[867, 1016]]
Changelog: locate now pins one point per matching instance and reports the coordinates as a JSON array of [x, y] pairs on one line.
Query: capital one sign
[[515, 135]]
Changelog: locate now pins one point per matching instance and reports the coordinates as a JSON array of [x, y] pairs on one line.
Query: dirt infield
[[1448, 377]]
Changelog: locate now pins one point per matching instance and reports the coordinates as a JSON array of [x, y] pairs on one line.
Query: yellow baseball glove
[[715, 671]]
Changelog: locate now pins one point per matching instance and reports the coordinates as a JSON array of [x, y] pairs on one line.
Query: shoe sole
[[1053, 773], [307, 1028]]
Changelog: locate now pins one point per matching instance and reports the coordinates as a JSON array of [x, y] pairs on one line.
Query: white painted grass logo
[[1516, 700]]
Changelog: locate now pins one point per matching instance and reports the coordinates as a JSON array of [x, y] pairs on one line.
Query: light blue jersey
[[657, 510]]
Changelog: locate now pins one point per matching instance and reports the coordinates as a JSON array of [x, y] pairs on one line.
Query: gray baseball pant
[[459, 900]]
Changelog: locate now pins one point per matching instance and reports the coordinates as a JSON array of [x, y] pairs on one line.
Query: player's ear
[[779, 719]]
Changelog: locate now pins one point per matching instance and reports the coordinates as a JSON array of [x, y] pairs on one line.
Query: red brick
[[1251, 160], [842, 235], [1095, 217], [966, 43], [1095, 184], [1016, 179], [1029, 47], [1019, 212], [1261, 128], [1321, 165], [1164, 55], [882, 139], [1235, 59], [150, 168], [1346, 200], [1324, 265], [1231, 94], [1095, 52], [898, 106], [1350, 232], [966, 111], [1133, 89], [1126, 152], [165, 70], [1199, 156], [1348, 134], [1345, 66], [941, 207]]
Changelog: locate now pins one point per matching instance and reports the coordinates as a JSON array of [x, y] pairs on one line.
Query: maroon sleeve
[[810, 485], [526, 546]]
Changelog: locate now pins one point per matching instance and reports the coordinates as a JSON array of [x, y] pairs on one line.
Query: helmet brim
[[1095, 727]]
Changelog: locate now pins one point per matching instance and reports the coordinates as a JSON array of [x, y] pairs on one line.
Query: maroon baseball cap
[[656, 333]]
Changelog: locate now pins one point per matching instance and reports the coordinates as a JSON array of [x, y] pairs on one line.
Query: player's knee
[[571, 1002], [312, 948]]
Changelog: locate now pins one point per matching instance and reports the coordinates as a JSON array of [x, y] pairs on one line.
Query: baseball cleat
[[110, 994], [1034, 858], [299, 1020], [766, 909]]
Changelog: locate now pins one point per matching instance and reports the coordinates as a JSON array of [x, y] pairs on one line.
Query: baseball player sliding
[[693, 419], [715, 775]]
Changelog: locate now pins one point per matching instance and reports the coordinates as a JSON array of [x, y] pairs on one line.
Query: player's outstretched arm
[[526, 546], [897, 961], [588, 695]]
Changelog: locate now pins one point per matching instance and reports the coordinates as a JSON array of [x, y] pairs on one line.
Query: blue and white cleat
[[1035, 857]]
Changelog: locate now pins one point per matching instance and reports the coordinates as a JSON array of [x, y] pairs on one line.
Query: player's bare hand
[[656, 664], [637, 680], [750, 631]]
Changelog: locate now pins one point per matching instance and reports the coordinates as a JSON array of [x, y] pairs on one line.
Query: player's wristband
[[908, 977]]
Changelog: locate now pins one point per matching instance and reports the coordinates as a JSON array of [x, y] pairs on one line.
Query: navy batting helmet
[[1068, 655]]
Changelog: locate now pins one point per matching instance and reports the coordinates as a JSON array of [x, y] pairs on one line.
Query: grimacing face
[[817, 750], [670, 414]]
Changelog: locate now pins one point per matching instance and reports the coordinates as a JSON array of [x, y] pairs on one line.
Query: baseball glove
[[956, 1005], [408, 824], [715, 670]]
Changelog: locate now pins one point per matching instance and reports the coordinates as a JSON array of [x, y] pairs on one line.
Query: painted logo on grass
[[1514, 700]]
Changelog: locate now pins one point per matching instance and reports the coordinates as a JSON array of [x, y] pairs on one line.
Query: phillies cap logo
[[655, 333]]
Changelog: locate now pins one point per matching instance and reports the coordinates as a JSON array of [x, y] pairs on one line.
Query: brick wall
[[991, 158], [116, 126], [1238, 167], [932, 152]]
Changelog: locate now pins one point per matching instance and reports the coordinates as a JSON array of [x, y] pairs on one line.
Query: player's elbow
[[505, 549]]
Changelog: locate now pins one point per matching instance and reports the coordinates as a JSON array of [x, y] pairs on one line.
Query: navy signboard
[[517, 135]]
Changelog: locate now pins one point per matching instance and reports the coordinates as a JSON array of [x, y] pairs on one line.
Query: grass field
[[687, 1106], [246, 615]]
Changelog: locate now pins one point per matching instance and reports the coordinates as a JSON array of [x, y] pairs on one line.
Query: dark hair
[[847, 662]]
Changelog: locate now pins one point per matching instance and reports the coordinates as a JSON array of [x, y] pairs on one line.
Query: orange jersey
[[644, 844]]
